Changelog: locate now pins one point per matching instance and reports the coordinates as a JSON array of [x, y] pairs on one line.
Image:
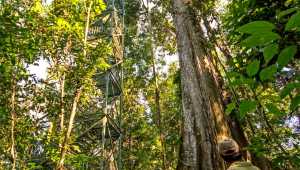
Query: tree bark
[[13, 122], [62, 104], [203, 116], [62, 110]]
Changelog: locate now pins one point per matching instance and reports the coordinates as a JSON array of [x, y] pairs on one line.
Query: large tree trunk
[[203, 117]]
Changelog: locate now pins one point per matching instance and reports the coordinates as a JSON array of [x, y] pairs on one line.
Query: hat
[[229, 147]]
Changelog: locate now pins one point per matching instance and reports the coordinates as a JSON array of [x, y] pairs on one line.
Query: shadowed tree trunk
[[234, 124], [203, 116]]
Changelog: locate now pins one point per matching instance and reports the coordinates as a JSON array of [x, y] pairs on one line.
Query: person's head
[[230, 150]]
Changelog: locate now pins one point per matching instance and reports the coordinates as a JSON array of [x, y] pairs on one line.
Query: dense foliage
[[263, 68]]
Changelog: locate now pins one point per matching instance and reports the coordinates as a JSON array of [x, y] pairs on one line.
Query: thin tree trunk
[[158, 112], [157, 93], [13, 122], [62, 108], [69, 130], [62, 86], [87, 24], [203, 116], [60, 165]]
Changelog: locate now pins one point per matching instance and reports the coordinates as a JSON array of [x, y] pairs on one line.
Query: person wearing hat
[[230, 152]]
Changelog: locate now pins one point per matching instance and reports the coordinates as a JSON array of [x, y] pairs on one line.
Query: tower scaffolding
[[102, 130]]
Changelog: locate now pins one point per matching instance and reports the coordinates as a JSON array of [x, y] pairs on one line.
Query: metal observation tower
[[100, 133]]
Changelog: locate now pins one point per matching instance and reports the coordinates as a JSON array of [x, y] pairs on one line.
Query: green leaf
[[2, 68], [295, 102], [3, 113], [293, 23], [270, 51], [286, 55], [247, 106], [229, 108], [288, 89], [268, 73], [260, 39], [256, 27], [253, 68], [286, 12], [273, 109], [76, 148], [239, 81]]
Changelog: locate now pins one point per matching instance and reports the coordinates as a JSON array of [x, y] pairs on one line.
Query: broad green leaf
[[233, 74], [273, 109], [260, 39], [270, 51], [293, 23], [253, 68], [247, 106], [289, 88], [286, 12], [295, 102], [268, 73], [256, 27], [286, 55], [229, 108]]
